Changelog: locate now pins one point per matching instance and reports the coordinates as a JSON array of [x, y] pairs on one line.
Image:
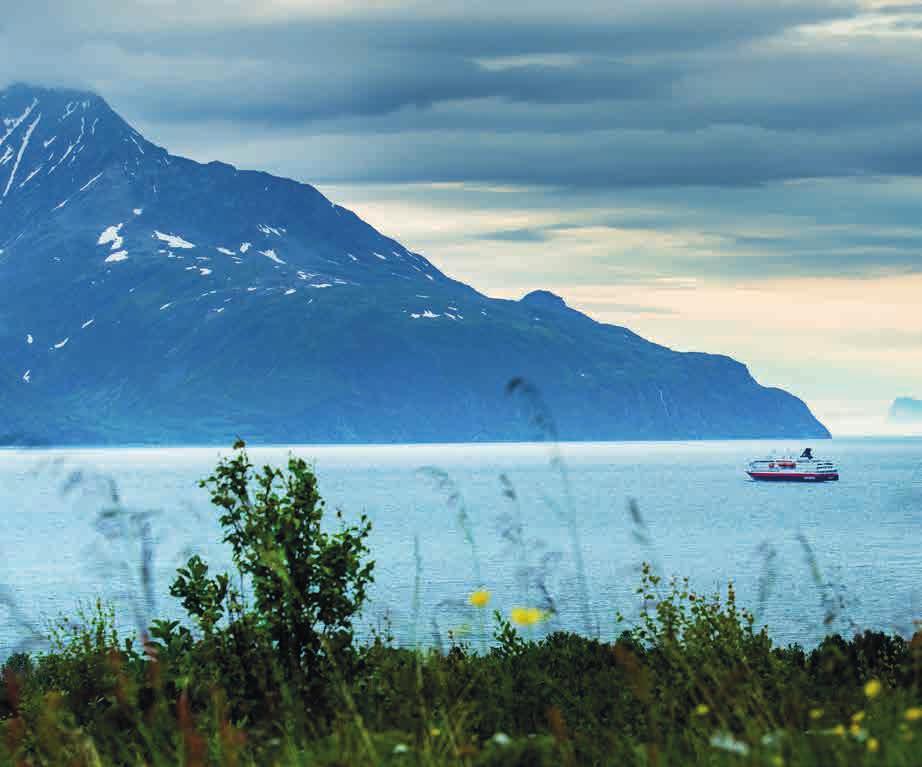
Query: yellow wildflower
[[480, 598], [855, 729], [858, 716], [435, 732], [913, 714], [873, 745], [816, 713], [702, 709], [527, 616], [839, 730], [872, 688]]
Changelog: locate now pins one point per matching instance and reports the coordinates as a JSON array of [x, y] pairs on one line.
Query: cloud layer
[[717, 92]]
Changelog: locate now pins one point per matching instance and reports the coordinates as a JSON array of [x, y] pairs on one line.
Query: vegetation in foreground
[[267, 671]]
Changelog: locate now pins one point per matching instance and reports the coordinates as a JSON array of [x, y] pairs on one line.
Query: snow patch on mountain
[[12, 123], [32, 175], [22, 151], [173, 240], [71, 147], [111, 235], [271, 255], [92, 181]]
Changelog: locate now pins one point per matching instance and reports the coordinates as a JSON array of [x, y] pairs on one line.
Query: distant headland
[[906, 410]]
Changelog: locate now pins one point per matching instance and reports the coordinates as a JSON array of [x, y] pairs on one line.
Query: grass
[[701, 687]]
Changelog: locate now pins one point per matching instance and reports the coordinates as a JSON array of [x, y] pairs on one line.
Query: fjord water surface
[[446, 521]]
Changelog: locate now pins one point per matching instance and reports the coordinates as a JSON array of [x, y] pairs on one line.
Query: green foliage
[[707, 652], [509, 642], [81, 665], [202, 597], [564, 699], [308, 584], [289, 626]]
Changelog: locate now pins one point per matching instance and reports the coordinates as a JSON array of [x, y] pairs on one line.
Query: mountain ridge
[[154, 299]]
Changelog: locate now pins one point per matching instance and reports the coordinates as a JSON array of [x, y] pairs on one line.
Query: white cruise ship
[[806, 468]]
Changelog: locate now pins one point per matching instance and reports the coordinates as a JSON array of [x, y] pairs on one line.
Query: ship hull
[[792, 476]]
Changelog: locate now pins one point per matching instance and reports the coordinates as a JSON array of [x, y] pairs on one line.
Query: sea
[[565, 528]]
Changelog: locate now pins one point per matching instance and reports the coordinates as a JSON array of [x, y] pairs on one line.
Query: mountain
[[906, 410], [147, 298]]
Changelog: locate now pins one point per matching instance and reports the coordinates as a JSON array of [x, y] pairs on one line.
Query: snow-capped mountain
[[149, 298]]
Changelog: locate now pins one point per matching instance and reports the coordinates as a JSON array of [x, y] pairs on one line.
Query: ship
[[805, 468]]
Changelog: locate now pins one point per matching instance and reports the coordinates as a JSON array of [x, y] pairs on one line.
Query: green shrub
[[306, 584]]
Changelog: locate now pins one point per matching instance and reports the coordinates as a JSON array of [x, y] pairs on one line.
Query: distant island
[[906, 410], [156, 300]]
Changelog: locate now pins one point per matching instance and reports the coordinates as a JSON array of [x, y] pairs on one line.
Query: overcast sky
[[726, 176]]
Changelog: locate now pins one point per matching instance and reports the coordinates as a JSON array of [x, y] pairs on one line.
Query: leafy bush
[[290, 623]]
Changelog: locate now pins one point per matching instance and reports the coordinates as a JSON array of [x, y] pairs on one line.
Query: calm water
[[703, 518]]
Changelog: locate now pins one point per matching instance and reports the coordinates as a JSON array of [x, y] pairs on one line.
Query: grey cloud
[[718, 156], [822, 263], [868, 241], [396, 81], [486, 30], [305, 70], [322, 70], [814, 229], [714, 93], [515, 235], [899, 8]]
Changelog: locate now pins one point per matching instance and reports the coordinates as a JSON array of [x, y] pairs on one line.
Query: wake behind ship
[[806, 468]]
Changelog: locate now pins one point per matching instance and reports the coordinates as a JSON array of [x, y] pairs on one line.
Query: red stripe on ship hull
[[791, 476]]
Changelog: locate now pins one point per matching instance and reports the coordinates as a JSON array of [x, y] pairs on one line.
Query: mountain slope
[[149, 298]]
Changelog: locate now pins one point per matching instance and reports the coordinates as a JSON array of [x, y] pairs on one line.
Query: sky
[[726, 176]]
